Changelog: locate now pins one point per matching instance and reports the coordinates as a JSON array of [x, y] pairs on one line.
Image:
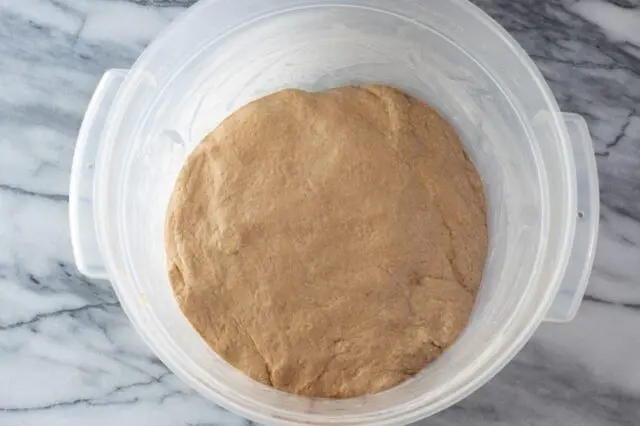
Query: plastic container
[[537, 165]]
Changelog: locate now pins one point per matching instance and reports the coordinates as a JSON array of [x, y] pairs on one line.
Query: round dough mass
[[328, 244]]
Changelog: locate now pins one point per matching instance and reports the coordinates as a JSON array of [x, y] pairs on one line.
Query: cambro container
[[537, 165]]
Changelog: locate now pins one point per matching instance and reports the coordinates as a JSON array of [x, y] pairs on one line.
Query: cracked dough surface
[[328, 244]]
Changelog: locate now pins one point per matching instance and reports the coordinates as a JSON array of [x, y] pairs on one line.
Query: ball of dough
[[328, 244]]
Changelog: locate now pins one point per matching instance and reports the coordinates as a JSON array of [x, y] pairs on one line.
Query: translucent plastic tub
[[537, 165]]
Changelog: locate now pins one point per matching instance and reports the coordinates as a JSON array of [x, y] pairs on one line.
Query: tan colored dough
[[328, 244]]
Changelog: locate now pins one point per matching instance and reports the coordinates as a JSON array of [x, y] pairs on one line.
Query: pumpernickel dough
[[328, 244]]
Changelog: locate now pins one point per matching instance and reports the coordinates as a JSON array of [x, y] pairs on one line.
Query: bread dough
[[328, 244]]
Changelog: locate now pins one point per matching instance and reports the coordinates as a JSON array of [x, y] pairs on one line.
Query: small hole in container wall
[[90, 166], [580, 215]]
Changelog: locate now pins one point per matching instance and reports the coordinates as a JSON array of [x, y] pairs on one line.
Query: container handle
[[576, 277], [84, 241]]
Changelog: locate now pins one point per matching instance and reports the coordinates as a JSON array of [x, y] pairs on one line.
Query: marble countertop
[[68, 355]]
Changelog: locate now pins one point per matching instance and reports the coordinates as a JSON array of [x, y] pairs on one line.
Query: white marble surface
[[68, 355]]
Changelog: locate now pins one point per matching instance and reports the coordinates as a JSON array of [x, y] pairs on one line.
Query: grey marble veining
[[68, 355]]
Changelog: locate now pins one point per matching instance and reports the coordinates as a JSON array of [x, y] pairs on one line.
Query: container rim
[[409, 412]]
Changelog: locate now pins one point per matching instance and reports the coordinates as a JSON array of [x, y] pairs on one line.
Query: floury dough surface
[[328, 244]]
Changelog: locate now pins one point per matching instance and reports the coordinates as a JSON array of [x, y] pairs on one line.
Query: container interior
[[443, 54]]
